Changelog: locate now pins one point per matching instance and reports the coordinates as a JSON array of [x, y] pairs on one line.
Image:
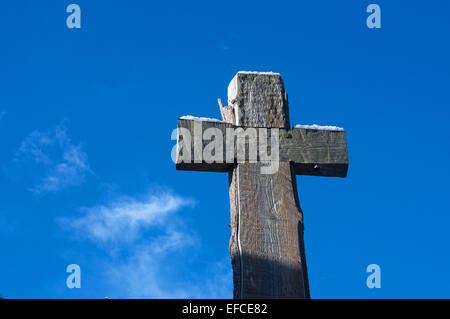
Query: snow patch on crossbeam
[[201, 119], [255, 72], [318, 127]]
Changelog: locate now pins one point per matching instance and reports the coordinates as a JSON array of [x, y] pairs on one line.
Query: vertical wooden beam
[[266, 244]]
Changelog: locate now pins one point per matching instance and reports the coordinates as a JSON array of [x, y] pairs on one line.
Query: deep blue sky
[[86, 116]]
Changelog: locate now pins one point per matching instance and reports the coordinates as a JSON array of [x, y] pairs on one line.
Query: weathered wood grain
[[259, 100], [227, 112], [313, 152], [266, 244], [268, 221]]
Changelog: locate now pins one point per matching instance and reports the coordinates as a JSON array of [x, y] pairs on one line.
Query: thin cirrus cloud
[[154, 265], [124, 217], [149, 272], [64, 162], [2, 115]]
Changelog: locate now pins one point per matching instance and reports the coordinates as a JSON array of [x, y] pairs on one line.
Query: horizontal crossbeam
[[311, 151]]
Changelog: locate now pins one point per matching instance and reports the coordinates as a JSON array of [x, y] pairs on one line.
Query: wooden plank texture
[[266, 244], [259, 100], [313, 152]]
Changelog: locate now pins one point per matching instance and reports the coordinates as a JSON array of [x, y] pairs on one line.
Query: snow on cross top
[[311, 127], [318, 127], [255, 72], [201, 119]]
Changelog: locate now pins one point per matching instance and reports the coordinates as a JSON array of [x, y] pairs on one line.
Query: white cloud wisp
[[65, 163], [123, 218]]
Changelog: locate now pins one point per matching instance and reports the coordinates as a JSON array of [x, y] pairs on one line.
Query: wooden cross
[[266, 244]]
